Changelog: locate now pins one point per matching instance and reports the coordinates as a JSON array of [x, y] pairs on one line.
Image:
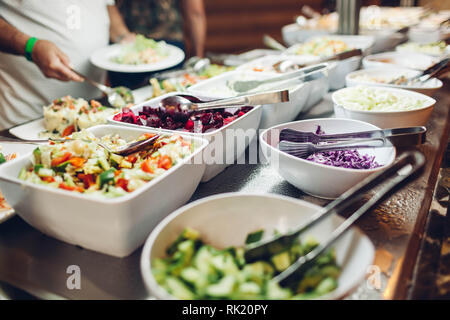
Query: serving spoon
[[193, 65], [124, 150], [191, 103], [118, 97]]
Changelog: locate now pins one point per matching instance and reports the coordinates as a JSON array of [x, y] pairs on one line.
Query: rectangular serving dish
[[113, 226]]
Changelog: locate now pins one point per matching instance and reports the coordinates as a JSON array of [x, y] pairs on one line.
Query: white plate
[[6, 212], [102, 59], [225, 220], [32, 129]]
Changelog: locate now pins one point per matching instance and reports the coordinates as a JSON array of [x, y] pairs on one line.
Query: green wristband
[[29, 48]]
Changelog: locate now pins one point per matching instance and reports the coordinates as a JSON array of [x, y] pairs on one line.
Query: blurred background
[[237, 25]]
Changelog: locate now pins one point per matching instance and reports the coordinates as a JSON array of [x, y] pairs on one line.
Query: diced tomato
[[123, 183], [77, 162], [61, 159], [68, 131], [88, 179], [146, 166], [64, 186], [95, 104], [165, 162], [48, 179], [131, 158], [117, 173]]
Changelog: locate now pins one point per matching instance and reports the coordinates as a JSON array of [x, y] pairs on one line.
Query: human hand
[[128, 38], [53, 62]]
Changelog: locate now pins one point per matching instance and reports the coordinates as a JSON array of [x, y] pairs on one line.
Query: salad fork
[[304, 149], [399, 137], [388, 181]]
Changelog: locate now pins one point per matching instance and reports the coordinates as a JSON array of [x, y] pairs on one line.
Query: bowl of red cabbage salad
[[350, 159], [172, 118]]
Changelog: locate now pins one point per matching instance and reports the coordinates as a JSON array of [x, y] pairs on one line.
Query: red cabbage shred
[[350, 159]]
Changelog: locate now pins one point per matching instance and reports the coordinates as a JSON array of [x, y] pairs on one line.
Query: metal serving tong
[[425, 75], [315, 70], [399, 137], [389, 180], [124, 150]]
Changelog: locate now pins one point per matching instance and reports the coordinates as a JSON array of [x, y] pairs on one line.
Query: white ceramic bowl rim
[[148, 246], [429, 101], [100, 199], [279, 127], [351, 76]]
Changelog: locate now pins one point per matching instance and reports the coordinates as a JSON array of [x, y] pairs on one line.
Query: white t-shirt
[[77, 27]]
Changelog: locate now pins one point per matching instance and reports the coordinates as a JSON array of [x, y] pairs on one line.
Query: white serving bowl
[[225, 220], [410, 60], [294, 33], [388, 119], [271, 113], [428, 88], [320, 180], [223, 148], [114, 226], [343, 67]]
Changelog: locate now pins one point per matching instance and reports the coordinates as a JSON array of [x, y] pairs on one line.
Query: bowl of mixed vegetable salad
[[325, 174], [80, 193], [382, 106], [197, 251]]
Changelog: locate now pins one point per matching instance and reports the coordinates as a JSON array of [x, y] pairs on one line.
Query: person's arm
[[46, 55], [195, 20], [118, 30]]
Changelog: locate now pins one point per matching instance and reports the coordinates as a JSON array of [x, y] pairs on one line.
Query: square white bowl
[[271, 113], [410, 60], [316, 179], [114, 226], [225, 144], [225, 220]]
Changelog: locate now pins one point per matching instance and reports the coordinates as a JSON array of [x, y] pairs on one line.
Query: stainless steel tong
[[389, 180], [399, 137], [303, 73]]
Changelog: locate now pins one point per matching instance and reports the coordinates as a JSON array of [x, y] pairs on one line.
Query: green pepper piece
[[2, 158], [37, 167], [106, 177], [61, 167]]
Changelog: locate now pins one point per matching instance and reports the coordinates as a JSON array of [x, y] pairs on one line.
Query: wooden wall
[[239, 25]]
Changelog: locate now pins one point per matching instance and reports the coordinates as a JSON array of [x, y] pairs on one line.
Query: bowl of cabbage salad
[[77, 192], [383, 107], [197, 251], [142, 51]]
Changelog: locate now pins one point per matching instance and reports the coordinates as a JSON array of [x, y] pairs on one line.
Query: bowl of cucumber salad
[[197, 252]]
